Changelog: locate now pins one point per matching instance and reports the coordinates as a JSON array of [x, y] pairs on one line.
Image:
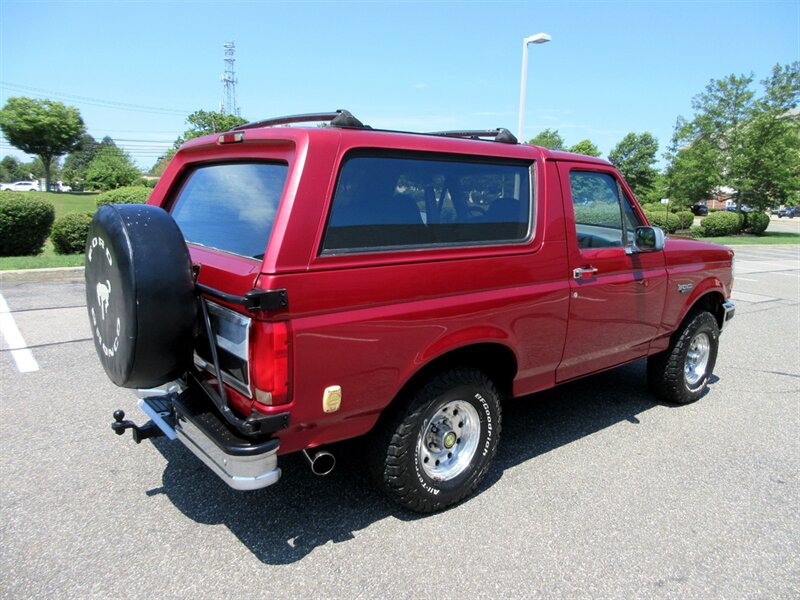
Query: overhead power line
[[154, 142], [93, 101]]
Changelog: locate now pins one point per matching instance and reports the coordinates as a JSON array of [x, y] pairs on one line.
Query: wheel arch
[[711, 301], [497, 361]]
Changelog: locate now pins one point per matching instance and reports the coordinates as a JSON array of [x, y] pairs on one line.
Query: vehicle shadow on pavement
[[283, 523], [537, 424]]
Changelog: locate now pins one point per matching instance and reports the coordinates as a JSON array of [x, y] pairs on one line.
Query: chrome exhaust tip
[[322, 463]]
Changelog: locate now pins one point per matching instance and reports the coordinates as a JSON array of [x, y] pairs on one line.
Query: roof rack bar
[[339, 118], [499, 135]]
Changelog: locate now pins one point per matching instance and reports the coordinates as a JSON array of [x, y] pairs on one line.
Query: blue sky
[[611, 68]]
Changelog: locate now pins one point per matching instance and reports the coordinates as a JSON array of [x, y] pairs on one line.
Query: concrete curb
[[24, 275]]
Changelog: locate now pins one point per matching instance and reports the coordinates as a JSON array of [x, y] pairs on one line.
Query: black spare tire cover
[[139, 295]]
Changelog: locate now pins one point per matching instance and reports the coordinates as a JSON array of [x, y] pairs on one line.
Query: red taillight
[[269, 363], [231, 138]]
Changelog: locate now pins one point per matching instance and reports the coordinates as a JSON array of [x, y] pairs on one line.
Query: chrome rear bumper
[[242, 463]]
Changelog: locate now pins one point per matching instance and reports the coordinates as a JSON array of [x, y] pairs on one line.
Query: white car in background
[[58, 186], [20, 186]]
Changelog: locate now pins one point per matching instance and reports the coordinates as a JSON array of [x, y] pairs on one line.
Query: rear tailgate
[[225, 199]]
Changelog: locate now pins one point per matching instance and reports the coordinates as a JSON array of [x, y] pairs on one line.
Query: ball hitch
[[148, 430]]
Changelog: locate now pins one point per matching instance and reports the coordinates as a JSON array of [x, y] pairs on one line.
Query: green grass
[[64, 203], [770, 238], [48, 259]]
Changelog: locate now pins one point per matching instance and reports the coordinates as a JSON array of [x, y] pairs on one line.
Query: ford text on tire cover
[[289, 287]]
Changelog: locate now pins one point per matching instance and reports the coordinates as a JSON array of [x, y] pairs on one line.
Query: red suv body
[[357, 281]]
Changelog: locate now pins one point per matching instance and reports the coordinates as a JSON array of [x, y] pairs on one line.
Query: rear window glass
[[386, 203], [230, 207]]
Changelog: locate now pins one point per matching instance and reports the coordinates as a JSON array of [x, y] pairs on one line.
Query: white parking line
[[16, 343], [754, 298]]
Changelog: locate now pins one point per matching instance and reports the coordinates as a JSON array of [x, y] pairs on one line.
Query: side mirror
[[647, 239]]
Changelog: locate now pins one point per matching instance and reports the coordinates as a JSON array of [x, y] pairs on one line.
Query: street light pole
[[539, 38]]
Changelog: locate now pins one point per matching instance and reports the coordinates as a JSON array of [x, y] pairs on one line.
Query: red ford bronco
[[289, 287]]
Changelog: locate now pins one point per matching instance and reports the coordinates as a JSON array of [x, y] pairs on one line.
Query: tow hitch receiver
[[146, 431], [159, 409], [243, 463]]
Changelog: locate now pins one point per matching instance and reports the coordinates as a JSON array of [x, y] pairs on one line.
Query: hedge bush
[[696, 231], [686, 218], [69, 233], [24, 223], [672, 207], [720, 223], [597, 214], [652, 206], [666, 220], [757, 222], [134, 194]]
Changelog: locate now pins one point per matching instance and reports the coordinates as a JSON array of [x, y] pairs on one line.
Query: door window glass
[[603, 213]]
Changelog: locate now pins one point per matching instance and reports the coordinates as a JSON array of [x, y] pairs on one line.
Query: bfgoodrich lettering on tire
[[437, 450], [139, 295], [680, 374]]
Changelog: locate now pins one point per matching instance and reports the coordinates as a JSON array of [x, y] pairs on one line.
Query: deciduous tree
[[11, 169], [157, 170], [739, 140], [45, 128], [549, 138], [585, 147], [635, 157], [111, 168], [78, 161], [770, 165], [203, 122]]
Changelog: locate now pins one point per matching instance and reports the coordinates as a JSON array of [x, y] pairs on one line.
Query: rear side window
[[386, 203], [230, 207]]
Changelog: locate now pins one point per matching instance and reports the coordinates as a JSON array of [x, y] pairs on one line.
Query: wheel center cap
[[449, 440]]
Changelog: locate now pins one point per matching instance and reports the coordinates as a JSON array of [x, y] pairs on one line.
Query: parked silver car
[[20, 186]]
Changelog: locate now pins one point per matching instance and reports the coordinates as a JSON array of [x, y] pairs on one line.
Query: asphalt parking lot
[[597, 489]]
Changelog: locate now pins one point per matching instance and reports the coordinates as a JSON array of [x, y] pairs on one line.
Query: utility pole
[[228, 105]]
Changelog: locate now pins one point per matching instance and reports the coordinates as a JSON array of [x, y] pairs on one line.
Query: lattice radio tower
[[228, 105]]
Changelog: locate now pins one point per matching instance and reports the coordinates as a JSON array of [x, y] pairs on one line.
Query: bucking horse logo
[[103, 293]]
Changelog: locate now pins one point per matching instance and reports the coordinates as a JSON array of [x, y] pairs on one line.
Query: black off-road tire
[[139, 295], [460, 409], [676, 375]]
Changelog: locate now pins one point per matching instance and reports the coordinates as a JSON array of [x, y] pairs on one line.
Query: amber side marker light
[[231, 138]]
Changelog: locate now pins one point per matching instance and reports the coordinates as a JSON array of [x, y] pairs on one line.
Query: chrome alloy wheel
[[449, 440], [694, 369]]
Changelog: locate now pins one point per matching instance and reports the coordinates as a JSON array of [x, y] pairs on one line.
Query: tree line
[[738, 138], [49, 130]]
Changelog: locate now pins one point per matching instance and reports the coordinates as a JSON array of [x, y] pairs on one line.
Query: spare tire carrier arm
[[255, 300]]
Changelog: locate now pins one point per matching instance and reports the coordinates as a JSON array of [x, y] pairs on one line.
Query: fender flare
[[704, 294], [464, 344]]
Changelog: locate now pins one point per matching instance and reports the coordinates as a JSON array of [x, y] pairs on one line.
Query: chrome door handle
[[584, 272]]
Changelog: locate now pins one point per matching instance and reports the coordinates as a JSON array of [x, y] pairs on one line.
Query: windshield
[[231, 206]]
